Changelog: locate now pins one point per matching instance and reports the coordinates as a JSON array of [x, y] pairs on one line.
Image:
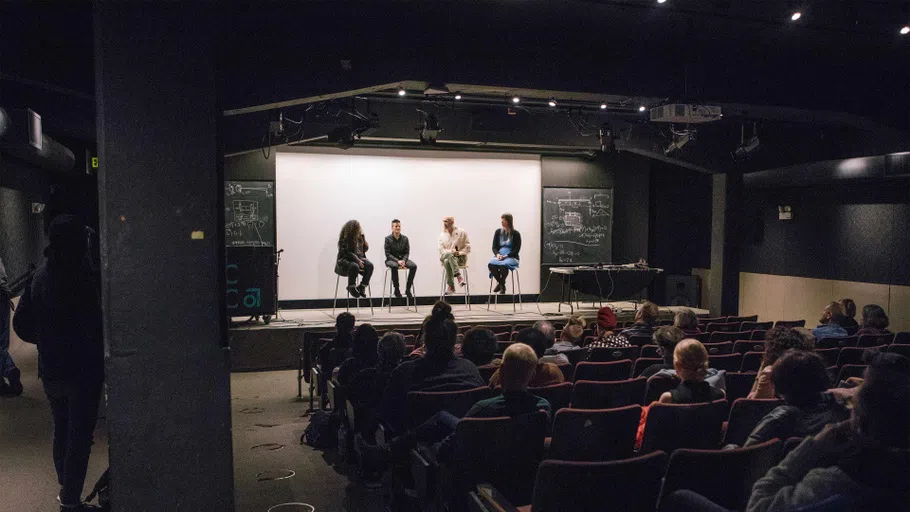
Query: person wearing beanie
[[606, 325]]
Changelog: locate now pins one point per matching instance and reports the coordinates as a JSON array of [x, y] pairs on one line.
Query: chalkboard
[[251, 281], [249, 213], [577, 225]]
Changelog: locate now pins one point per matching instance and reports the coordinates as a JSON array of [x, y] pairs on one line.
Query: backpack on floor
[[322, 432], [102, 490]]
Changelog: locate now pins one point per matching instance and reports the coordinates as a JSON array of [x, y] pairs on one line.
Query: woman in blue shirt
[[506, 244]]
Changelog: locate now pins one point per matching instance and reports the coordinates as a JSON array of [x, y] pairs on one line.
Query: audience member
[[777, 341], [686, 320], [800, 379], [569, 341], [830, 322], [606, 337], [419, 343], [577, 320], [666, 339], [875, 320], [848, 321], [546, 374], [690, 360], [548, 330], [61, 312], [479, 347], [864, 463], [438, 370], [363, 354], [10, 380], [367, 385], [337, 350], [645, 321]]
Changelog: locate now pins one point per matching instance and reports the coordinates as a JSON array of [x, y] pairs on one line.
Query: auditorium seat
[[725, 477], [423, 404], [608, 395], [723, 327], [503, 452], [702, 322], [568, 371], [751, 362], [498, 329], [673, 426], [852, 355], [603, 354], [851, 370], [902, 349], [835, 342], [658, 385], [829, 355], [616, 370], [744, 417], [667, 322], [587, 341], [741, 319], [565, 486], [501, 346], [756, 326], [758, 335], [575, 356], [743, 346], [703, 337], [739, 384], [790, 323], [503, 336], [875, 340], [902, 338], [559, 395], [486, 372], [644, 362], [717, 349], [729, 362], [721, 336], [852, 330], [594, 434], [649, 351], [640, 341]]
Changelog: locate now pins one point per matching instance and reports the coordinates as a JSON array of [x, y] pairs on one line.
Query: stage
[[285, 341]]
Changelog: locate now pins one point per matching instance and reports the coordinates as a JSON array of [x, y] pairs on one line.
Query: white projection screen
[[318, 190]]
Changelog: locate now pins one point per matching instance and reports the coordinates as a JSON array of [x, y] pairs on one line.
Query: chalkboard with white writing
[[249, 213], [577, 226]]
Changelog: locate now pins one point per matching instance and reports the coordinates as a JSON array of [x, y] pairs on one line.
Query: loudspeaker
[[683, 291]]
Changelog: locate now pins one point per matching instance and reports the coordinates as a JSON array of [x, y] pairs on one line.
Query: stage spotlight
[[552, 102], [402, 92], [457, 96], [661, 1], [642, 108], [905, 30], [795, 16], [607, 143], [603, 106], [516, 99]]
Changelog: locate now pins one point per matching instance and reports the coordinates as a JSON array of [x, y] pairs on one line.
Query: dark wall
[[21, 231], [850, 232]]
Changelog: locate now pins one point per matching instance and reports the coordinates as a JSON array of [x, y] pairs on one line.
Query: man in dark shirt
[[666, 339], [8, 370], [645, 320], [397, 250]]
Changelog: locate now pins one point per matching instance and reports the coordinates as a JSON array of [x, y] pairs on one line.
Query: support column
[[726, 243], [162, 249]]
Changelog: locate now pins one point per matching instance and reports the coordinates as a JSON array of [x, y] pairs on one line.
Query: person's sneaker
[[409, 294], [498, 288], [502, 290], [450, 290], [362, 291], [353, 291], [397, 293], [460, 280]]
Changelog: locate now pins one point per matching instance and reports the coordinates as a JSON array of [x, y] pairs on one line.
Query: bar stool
[[347, 304], [407, 301], [513, 273], [463, 270]]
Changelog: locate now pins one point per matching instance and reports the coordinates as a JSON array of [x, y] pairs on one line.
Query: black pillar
[[160, 189], [727, 231]]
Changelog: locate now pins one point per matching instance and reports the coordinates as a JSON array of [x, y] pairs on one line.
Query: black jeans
[[412, 269], [500, 272], [74, 406], [353, 269], [685, 500]]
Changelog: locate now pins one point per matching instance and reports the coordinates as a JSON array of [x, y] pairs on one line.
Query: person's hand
[[360, 263], [499, 257], [843, 395], [835, 433], [456, 253], [401, 263]]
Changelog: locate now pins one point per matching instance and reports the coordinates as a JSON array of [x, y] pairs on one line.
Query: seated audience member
[[801, 380], [606, 325], [830, 322], [577, 320], [690, 360], [666, 339], [777, 341], [420, 340], [686, 320], [437, 370], [871, 357], [363, 354], [367, 385], [849, 319], [479, 347], [546, 374], [863, 463], [875, 320], [334, 352], [569, 341], [645, 321], [548, 330]]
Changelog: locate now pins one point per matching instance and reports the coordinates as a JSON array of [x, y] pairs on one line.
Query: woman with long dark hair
[[506, 244], [352, 259], [875, 320]]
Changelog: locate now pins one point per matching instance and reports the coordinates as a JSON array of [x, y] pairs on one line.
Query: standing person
[[8, 370], [61, 312], [397, 250], [454, 247], [352, 259], [506, 244]]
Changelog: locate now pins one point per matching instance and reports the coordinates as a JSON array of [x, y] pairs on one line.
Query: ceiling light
[[661, 1], [457, 96], [552, 102], [402, 92], [516, 99], [905, 30], [796, 15], [603, 106], [641, 108]]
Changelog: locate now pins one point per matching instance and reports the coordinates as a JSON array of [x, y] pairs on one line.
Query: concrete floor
[[264, 411]]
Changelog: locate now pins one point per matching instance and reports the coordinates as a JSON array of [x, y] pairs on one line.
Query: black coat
[[347, 255], [516, 243]]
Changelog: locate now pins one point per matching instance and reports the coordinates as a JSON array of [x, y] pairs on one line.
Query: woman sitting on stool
[[352, 260], [506, 244]]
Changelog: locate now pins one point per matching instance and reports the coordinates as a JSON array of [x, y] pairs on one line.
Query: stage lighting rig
[[746, 146], [680, 139], [607, 144]]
